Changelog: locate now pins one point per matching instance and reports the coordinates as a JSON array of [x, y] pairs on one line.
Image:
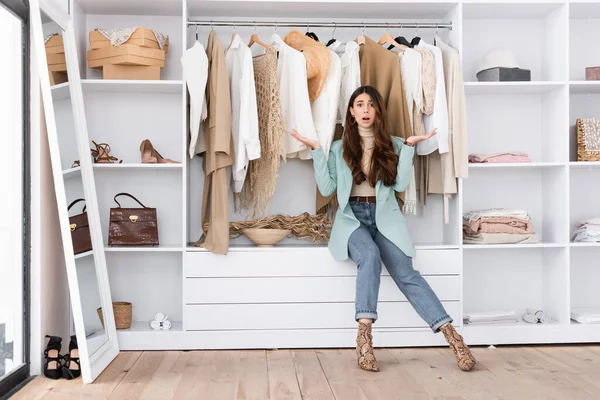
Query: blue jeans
[[368, 248]]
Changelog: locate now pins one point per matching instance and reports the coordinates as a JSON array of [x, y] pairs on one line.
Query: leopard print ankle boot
[[466, 361], [364, 348]]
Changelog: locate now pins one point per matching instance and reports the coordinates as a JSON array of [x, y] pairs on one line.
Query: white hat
[[499, 58]]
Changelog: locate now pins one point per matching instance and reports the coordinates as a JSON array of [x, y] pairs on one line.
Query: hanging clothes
[[194, 63], [325, 107], [379, 68], [411, 67], [244, 114], [445, 168], [429, 88], [295, 103], [439, 118], [259, 186], [219, 152], [350, 81]]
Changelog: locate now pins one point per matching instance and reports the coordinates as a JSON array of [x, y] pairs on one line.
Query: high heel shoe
[[53, 365], [101, 154], [465, 359], [71, 368], [151, 156], [364, 348]]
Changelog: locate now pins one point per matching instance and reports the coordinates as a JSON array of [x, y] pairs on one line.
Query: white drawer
[[301, 316], [302, 289], [303, 261]]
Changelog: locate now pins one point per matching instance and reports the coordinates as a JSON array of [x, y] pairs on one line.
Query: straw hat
[[317, 60]]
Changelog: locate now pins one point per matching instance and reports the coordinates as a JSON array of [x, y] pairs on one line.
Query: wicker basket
[[582, 154], [122, 312]]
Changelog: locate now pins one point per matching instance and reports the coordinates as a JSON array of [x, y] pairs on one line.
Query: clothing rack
[[287, 24]]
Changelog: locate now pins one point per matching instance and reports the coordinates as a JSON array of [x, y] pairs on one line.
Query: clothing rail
[[308, 25]]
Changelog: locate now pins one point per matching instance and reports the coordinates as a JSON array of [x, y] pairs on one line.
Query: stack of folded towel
[[497, 226], [534, 316], [586, 315], [588, 231], [496, 317], [506, 157]]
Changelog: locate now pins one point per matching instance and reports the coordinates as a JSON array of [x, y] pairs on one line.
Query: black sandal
[[53, 364], [71, 368]]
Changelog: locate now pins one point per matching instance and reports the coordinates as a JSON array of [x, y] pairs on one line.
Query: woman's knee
[[368, 257]]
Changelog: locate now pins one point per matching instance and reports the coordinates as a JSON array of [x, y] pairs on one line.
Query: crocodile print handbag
[[132, 226]]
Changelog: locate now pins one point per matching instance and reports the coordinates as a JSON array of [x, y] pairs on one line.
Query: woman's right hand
[[313, 144]]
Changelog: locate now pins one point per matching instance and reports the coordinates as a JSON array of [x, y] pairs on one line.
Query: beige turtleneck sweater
[[368, 139]]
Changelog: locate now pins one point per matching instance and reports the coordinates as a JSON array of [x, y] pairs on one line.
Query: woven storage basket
[[122, 312], [582, 154]]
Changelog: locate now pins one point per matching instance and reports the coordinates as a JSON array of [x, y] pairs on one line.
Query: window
[[14, 201]]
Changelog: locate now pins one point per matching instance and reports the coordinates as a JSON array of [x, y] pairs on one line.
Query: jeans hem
[[366, 314], [435, 327]]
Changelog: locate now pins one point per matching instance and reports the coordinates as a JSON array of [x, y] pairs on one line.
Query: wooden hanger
[[361, 38], [255, 39], [387, 38]]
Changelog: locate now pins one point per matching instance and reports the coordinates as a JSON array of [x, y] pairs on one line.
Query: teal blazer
[[334, 174]]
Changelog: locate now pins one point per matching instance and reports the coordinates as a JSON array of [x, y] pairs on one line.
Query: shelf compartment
[[538, 37], [534, 123], [517, 279], [581, 105], [132, 86], [473, 88], [538, 191], [584, 197], [152, 282], [585, 279], [584, 25]]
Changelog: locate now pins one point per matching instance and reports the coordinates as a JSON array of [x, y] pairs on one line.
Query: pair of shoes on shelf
[[59, 366], [151, 156], [101, 154]]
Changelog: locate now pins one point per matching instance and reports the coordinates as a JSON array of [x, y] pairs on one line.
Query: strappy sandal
[[53, 363], [101, 154], [71, 368]]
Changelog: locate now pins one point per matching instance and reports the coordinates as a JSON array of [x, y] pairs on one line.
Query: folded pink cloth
[[497, 225], [506, 157]]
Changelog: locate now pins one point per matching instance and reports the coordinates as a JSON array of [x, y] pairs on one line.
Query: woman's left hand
[[418, 138]]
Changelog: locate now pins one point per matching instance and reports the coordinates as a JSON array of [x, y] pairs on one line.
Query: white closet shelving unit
[[295, 295]]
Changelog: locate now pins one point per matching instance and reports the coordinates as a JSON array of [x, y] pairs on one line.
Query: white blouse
[[295, 103], [194, 64], [439, 118], [244, 113], [350, 80], [325, 107]]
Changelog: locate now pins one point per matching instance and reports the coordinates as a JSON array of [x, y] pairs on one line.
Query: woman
[[366, 167]]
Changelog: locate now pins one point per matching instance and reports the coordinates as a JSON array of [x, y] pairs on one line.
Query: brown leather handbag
[[80, 230], [132, 226]]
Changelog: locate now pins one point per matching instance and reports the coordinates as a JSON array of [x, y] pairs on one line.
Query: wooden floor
[[539, 372]]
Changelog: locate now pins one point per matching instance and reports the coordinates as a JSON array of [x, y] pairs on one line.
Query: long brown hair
[[384, 160]]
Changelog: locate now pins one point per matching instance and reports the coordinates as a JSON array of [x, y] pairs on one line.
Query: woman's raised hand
[[313, 144], [418, 138]]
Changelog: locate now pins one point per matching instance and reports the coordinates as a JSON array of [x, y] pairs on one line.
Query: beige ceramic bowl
[[264, 237]]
